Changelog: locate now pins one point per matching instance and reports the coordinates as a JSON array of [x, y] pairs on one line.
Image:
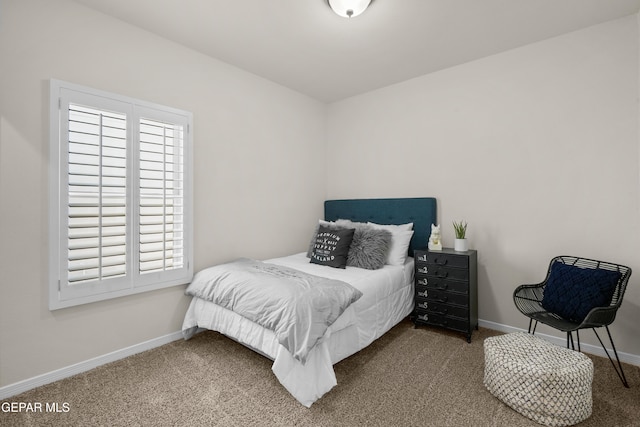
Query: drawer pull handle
[[441, 262], [443, 287], [425, 318], [425, 306], [442, 275], [425, 294]]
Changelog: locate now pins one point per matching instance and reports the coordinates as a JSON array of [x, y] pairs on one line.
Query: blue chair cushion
[[571, 292]]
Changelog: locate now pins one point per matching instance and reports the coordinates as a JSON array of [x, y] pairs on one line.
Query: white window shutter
[[97, 195], [93, 195], [121, 209], [162, 248]]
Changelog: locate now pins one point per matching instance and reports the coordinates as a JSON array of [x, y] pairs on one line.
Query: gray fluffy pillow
[[369, 248]]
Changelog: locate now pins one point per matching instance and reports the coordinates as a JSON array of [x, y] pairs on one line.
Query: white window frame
[[62, 293]]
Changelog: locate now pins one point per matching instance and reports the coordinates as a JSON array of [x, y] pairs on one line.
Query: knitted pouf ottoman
[[542, 381]]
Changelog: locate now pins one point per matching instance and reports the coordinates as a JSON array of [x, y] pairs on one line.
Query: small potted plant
[[461, 243]]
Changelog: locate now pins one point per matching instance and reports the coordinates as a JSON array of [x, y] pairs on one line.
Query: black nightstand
[[446, 289]]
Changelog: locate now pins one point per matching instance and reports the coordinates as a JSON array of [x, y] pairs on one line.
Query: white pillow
[[408, 226], [349, 224], [400, 240]]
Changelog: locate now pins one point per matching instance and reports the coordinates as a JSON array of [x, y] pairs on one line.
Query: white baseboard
[[59, 374], [633, 359]]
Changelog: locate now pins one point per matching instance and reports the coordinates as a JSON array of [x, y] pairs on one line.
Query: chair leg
[[532, 332], [570, 339], [618, 368], [578, 337]]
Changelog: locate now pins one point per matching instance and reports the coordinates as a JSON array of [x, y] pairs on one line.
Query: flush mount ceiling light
[[349, 8]]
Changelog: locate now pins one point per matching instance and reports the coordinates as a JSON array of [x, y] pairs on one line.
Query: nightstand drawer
[[444, 259], [442, 309], [441, 284], [424, 292], [461, 325], [444, 272]]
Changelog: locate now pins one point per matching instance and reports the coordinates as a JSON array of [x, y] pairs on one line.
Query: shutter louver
[[161, 208], [97, 208]]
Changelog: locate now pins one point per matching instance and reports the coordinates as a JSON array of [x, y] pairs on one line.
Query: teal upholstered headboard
[[421, 211]]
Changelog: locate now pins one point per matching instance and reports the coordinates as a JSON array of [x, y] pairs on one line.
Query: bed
[[384, 298]]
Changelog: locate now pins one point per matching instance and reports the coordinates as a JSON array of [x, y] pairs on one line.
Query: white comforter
[[387, 298], [298, 307]]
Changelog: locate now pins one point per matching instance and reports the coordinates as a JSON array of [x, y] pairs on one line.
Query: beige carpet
[[409, 377]]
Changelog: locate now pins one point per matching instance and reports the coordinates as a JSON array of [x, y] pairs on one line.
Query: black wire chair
[[528, 299]]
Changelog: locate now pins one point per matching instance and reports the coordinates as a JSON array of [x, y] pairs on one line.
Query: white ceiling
[[303, 45]]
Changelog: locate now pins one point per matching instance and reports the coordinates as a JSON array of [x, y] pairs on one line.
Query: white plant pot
[[461, 245]]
